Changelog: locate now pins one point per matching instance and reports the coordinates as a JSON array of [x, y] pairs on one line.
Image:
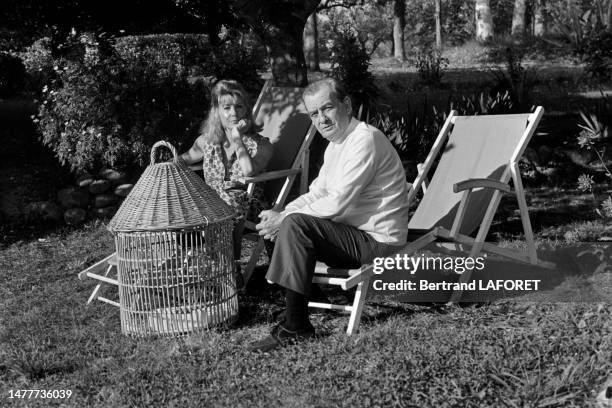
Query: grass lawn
[[508, 353]]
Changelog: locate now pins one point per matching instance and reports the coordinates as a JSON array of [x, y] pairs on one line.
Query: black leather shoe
[[280, 337]]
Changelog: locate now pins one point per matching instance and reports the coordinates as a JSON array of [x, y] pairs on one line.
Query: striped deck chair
[[478, 156]]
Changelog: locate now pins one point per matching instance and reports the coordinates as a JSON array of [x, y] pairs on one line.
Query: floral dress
[[222, 174]]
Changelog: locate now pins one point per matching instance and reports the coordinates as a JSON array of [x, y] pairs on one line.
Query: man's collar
[[349, 129]]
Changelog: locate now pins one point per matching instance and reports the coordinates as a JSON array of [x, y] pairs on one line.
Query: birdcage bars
[[175, 282]]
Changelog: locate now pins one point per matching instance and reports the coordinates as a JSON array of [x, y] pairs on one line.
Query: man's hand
[[270, 223]]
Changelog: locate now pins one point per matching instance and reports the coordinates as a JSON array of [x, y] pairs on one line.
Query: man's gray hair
[[336, 88]]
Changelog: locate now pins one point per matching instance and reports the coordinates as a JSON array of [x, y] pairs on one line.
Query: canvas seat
[[478, 156], [284, 121]]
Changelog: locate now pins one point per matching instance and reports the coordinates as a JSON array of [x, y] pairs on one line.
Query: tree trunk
[[540, 26], [311, 43], [609, 16], [518, 18], [399, 23], [438, 28], [484, 21], [287, 61], [280, 25]]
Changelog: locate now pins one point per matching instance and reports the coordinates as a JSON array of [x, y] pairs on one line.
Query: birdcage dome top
[[169, 196]]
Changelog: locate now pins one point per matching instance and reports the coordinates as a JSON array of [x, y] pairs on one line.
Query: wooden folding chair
[[478, 157], [283, 117]]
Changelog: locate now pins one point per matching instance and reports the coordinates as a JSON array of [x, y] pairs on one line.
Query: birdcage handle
[[166, 144]]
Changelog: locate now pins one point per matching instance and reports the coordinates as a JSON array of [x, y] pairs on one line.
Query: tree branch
[[329, 4]]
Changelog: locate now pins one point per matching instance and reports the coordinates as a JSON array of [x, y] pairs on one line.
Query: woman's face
[[231, 110]]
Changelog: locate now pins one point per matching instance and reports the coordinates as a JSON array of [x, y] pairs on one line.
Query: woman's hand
[[235, 134]]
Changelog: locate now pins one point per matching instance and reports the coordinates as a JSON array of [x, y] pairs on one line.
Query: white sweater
[[361, 183]]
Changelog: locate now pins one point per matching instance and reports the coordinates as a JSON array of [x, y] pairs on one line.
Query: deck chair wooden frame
[[106, 269], [361, 278], [298, 167]]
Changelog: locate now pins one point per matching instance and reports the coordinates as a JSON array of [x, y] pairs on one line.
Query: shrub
[[350, 64], [413, 131], [236, 58], [482, 104], [12, 76], [112, 100], [38, 63], [239, 59], [516, 80], [13, 40], [595, 137], [596, 52], [430, 64], [456, 18], [110, 111], [192, 54], [180, 51], [457, 21]]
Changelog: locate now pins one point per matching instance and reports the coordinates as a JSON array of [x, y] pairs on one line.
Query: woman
[[230, 149]]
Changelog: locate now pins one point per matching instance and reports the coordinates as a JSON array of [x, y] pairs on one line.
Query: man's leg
[[301, 241]]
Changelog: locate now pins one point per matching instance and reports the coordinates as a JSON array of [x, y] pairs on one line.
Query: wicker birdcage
[[175, 263]]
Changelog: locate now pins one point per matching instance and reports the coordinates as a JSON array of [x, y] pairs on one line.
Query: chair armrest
[[270, 175], [471, 184], [196, 166]]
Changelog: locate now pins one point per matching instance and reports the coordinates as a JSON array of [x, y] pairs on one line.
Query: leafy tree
[[278, 23], [58, 18], [368, 23]]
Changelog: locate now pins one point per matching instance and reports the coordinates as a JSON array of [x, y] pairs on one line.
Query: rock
[[105, 200], [72, 197], [99, 186], [115, 176], [84, 180], [46, 211], [75, 216], [123, 190], [105, 212]]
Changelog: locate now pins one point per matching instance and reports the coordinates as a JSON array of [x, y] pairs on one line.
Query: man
[[355, 210]]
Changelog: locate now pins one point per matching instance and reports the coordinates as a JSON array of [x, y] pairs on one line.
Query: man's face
[[330, 116]]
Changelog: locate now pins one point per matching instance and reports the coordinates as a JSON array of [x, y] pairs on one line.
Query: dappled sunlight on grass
[[525, 354]]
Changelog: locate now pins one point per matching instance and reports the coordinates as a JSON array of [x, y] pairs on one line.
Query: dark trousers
[[237, 234], [303, 240]]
